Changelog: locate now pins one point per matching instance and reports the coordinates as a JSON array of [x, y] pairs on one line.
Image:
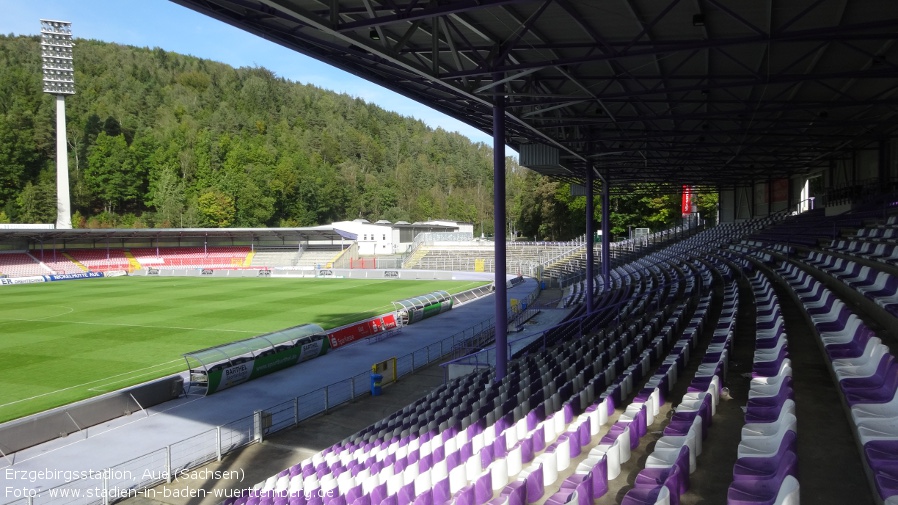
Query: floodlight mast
[[59, 80]]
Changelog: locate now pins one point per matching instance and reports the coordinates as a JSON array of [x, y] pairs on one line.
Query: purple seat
[[613, 433], [353, 494], [535, 485], [527, 452], [466, 496], [453, 460], [406, 494], [582, 485], [487, 454], [834, 324], [886, 478], [859, 385], [516, 492], [390, 500], [761, 492], [638, 427], [650, 477], [881, 451], [880, 394], [889, 289], [574, 448], [379, 493], [425, 463], [583, 433], [467, 450], [425, 498], [364, 499], [852, 348], [760, 469], [669, 478], [483, 487], [441, 492], [562, 497], [644, 495], [769, 368]]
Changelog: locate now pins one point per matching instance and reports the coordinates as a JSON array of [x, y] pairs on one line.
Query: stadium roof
[[316, 233], [713, 92]]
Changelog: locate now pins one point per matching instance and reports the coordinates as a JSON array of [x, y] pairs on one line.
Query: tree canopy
[[160, 139]]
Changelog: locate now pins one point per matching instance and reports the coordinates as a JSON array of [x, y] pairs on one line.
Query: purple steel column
[[499, 233], [590, 240], [606, 234]]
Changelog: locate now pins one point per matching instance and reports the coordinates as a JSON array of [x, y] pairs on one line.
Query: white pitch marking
[[86, 383], [93, 323]]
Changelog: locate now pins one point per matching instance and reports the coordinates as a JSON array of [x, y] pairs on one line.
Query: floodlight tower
[[59, 80]]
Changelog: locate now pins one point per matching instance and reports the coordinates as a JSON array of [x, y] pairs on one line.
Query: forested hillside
[[158, 139]]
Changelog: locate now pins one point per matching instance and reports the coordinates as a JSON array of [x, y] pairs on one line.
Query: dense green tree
[[168, 140]]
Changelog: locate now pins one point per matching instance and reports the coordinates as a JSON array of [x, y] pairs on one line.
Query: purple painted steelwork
[[499, 232]]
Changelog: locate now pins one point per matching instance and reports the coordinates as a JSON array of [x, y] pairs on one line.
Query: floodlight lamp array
[[56, 56]]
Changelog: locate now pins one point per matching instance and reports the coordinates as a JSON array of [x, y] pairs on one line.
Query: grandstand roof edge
[[325, 232]]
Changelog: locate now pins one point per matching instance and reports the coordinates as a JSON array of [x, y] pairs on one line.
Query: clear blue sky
[[160, 23]]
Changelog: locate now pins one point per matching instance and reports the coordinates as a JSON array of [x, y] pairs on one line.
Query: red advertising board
[[349, 334], [687, 200]]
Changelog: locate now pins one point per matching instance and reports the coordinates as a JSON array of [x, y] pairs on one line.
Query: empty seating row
[[865, 370], [666, 473], [882, 252], [766, 468], [879, 286], [20, 264]]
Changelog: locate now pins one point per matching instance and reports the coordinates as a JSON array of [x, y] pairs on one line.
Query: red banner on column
[[687, 200]]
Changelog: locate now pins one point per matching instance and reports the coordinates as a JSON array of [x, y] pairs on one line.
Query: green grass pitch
[[65, 341]]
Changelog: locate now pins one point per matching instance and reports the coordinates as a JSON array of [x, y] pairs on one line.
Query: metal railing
[[136, 476]]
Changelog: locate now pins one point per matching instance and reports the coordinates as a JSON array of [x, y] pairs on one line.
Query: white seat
[[458, 479], [864, 365], [514, 461], [673, 443], [282, 483], [866, 411], [563, 454], [769, 381], [267, 484], [789, 492], [473, 467], [295, 486], [666, 456], [611, 453], [310, 483], [769, 429], [878, 429], [345, 482], [370, 483], [763, 355], [762, 446], [395, 483], [423, 482], [410, 473], [550, 468], [499, 473]]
